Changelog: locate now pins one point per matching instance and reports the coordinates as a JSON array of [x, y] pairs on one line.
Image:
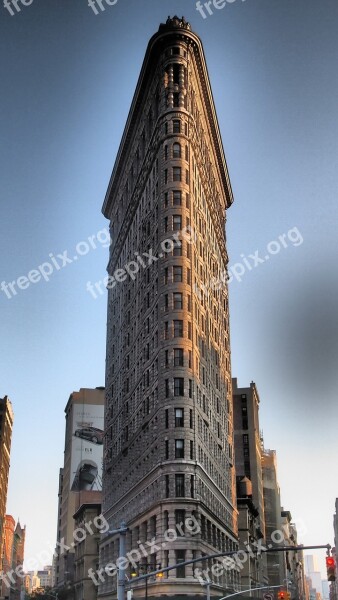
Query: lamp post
[[121, 581]]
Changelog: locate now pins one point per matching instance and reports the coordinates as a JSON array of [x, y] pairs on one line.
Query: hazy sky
[[67, 79]]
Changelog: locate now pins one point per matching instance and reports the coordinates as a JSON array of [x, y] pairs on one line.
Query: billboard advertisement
[[87, 447]]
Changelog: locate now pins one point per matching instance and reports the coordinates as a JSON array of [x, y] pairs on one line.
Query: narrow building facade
[[168, 448]]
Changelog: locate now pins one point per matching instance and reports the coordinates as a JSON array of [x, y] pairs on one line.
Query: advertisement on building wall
[[87, 448]]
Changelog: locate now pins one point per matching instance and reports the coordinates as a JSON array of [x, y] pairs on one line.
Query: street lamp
[[145, 568]]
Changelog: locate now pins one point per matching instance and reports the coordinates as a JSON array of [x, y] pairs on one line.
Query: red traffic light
[[331, 568]]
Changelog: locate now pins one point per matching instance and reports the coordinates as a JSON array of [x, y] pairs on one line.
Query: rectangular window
[[165, 223], [167, 449], [177, 249], [165, 152], [179, 417], [166, 275], [177, 222], [177, 274], [190, 388], [166, 358], [187, 201], [180, 558], [188, 276], [178, 386], [179, 448], [192, 494], [178, 328], [191, 450], [187, 177], [180, 521], [178, 301], [189, 331], [176, 126], [179, 485], [177, 174], [166, 199], [176, 150], [165, 175], [167, 490], [166, 330], [167, 418], [245, 440], [178, 357], [166, 301], [177, 198], [166, 381], [189, 303]]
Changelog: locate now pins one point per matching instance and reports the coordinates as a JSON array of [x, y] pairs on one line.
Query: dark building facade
[[168, 448]]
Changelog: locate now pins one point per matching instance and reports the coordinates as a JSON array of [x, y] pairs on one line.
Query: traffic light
[[331, 568], [282, 595]]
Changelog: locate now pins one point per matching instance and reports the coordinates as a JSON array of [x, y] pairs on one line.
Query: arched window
[[176, 150]]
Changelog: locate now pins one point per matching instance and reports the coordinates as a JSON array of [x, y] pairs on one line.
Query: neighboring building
[[39, 580], [80, 479], [325, 589], [248, 459], [272, 511], [334, 584], [313, 572], [86, 552], [18, 560], [169, 421], [248, 525], [6, 425], [45, 576], [293, 560]]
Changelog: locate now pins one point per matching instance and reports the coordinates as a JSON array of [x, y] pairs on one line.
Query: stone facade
[[6, 425], [86, 552], [248, 445], [168, 449], [69, 501]]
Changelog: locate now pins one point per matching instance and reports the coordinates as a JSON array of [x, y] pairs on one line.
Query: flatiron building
[[168, 447]]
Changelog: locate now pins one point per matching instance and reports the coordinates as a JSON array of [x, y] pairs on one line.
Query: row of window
[[176, 175], [177, 301], [176, 198], [176, 151], [179, 417], [179, 449], [178, 387], [180, 484], [175, 329], [178, 358], [176, 127], [177, 275]]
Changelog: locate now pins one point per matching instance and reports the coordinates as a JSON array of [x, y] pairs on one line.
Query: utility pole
[[121, 580]]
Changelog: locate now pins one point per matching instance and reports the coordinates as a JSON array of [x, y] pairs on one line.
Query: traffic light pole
[[121, 580], [261, 587]]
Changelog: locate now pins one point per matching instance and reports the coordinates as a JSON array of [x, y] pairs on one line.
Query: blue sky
[[68, 77]]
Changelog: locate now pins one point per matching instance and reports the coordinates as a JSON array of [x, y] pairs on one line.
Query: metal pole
[[208, 589], [122, 569], [147, 588]]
